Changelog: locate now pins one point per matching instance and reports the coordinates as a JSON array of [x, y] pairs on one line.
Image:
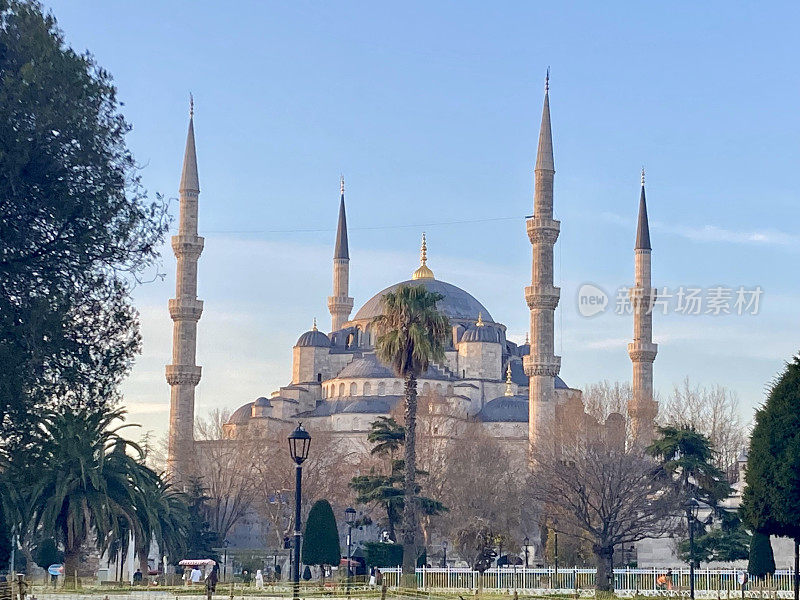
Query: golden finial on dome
[[314, 328], [509, 391], [480, 320], [423, 272]]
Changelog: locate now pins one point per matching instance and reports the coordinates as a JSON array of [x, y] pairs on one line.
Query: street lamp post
[[444, 554], [299, 444], [692, 507], [527, 542], [225, 544], [350, 518]]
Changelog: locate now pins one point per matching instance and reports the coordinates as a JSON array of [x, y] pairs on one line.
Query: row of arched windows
[[381, 389]]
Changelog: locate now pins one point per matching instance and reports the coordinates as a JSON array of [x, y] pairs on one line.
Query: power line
[[373, 227]]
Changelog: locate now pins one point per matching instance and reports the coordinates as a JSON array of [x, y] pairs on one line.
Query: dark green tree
[[76, 228], [762, 561], [201, 539], [728, 542], [46, 553], [412, 334], [687, 459], [321, 538], [387, 436], [771, 500], [386, 491]]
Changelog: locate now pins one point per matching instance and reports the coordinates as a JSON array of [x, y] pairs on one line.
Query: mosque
[[339, 385]]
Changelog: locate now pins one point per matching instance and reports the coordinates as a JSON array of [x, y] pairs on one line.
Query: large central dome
[[457, 303]]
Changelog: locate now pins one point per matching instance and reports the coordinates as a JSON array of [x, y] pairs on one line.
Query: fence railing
[[709, 583]]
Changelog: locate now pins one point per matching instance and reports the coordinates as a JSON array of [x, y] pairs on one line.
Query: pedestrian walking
[[259, 580], [372, 578]]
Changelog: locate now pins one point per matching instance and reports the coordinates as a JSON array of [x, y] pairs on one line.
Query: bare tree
[[225, 471], [483, 494], [713, 411], [609, 495], [604, 397]]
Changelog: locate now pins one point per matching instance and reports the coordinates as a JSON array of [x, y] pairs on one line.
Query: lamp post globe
[[299, 445], [692, 508]]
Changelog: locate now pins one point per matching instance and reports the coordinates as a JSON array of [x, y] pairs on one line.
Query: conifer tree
[[771, 500], [321, 539], [762, 561]]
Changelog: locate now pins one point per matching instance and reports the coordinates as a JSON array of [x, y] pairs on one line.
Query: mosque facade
[[513, 391]]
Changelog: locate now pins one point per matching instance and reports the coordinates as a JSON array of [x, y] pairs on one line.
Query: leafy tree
[[382, 554], [306, 573], [762, 561], [771, 500], [412, 334], [321, 538], [76, 228], [727, 543]]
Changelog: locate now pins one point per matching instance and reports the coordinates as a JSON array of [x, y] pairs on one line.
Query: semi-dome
[[457, 303], [241, 415], [314, 338]]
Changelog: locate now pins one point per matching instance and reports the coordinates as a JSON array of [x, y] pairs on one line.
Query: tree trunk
[[409, 487], [72, 560], [604, 557]]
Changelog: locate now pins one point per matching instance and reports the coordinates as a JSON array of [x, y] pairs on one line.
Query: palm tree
[[412, 334], [88, 485]]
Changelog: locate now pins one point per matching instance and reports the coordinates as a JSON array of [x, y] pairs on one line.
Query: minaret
[[642, 409], [185, 309], [340, 304], [542, 365]]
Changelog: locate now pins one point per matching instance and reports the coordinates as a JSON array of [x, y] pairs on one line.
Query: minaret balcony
[[543, 230], [190, 246], [542, 296], [340, 302], [185, 309], [640, 351], [183, 374], [541, 365]]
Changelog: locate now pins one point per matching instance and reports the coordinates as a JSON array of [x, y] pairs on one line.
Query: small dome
[[505, 409], [262, 402], [314, 338], [482, 333]]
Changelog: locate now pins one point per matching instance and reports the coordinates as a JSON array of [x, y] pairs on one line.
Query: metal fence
[[709, 583]]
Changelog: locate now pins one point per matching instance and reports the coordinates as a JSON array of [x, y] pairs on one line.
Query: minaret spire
[[642, 351], [642, 227], [183, 374], [423, 271], [542, 365], [340, 304]]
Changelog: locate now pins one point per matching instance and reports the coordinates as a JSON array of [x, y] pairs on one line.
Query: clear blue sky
[[431, 112]]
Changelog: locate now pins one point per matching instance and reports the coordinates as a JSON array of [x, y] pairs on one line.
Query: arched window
[[381, 388], [319, 377], [449, 389], [341, 389], [367, 388], [353, 389], [398, 388], [438, 389], [426, 389]]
